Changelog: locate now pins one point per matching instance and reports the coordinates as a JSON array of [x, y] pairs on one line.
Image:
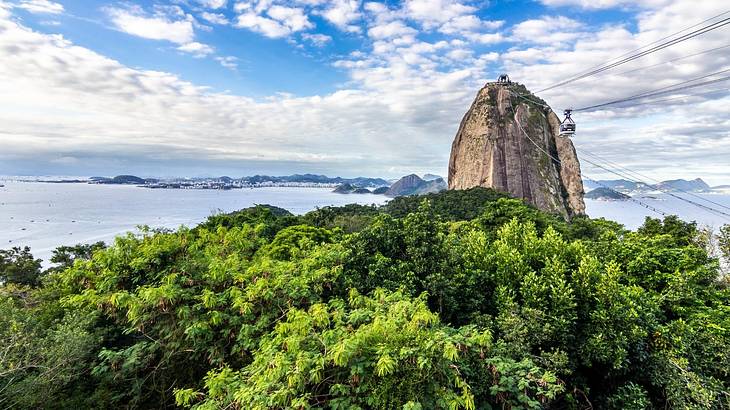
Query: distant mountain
[[344, 189], [119, 180], [361, 182], [351, 189], [415, 185], [621, 185], [625, 186], [431, 177], [695, 185], [606, 194], [381, 190]]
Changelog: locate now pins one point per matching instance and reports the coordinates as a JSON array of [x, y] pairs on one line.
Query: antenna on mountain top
[[567, 127], [504, 78]]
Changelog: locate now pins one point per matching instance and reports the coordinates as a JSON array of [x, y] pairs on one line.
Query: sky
[[342, 87]]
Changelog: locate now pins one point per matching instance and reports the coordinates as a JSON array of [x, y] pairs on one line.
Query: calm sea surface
[[44, 216]]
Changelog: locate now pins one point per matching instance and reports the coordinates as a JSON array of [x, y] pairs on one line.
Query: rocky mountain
[[120, 180], [351, 189], [431, 177], [695, 185], [622, 185], [415, 185], [606, 194], [322, 179], [503, 142]]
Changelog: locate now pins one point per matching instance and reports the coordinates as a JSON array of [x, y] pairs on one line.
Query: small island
[[606, 194]]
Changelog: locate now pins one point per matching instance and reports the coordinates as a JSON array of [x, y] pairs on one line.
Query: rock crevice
[[509, 140]]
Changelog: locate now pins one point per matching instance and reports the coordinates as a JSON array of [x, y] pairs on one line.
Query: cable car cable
[[663, 90], [654, 42], [652, 50], [688, 95], [557, 161], [722, 214], [645, 177], [674, 60]]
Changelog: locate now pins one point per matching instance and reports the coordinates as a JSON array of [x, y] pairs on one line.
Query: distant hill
[[625, 186], [431, 177], [695, 185], [606, 194], [415, 185], [617, 184], [119, 180], [361, 182], [351, 189]]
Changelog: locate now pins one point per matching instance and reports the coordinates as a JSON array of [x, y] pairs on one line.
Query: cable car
[[567, 127]]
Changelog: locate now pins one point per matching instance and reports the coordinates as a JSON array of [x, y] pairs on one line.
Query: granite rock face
[[509, 140]]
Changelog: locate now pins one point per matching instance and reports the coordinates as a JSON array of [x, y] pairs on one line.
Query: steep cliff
[[509, 140]]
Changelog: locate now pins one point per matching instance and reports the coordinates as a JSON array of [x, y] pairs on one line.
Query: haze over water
[[46, 215]]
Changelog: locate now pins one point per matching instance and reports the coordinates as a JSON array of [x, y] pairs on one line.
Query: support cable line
[[654, 42], [684, 85], [710, 209], [714, 211], [674, 60], [705, 29], [557, 162], [655, 181], [679, 97]]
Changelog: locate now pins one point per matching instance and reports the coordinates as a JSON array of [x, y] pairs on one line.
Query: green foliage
[[64, 256], [19, 267], [462, 299], [452, 205], [46, 353], [724, 241]]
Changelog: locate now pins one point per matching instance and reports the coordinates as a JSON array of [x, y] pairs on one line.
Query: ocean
[[47, 215]]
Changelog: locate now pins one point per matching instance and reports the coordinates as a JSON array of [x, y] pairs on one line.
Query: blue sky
[[264, 65], [348, 87]]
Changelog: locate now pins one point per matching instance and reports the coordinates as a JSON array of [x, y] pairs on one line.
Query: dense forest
[[457, 300]]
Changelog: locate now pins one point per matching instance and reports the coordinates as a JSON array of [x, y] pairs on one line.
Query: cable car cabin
[[567, 127]]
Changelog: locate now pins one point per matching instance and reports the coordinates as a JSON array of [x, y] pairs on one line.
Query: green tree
[[18, 266]]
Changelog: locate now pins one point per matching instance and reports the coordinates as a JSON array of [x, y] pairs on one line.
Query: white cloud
[[279, 21], [291, 17], [70, 101], [198, 50], [228, 62], [601, 4], [547, 30], [389, 30], [263, 25], [158, 27], [213, 4], [65, 100], [434, 12], [319, 40], [469, 23], [41, 6], [215, 18], [342, 13]]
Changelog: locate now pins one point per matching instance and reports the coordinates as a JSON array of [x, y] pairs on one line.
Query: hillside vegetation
[[456, 300]]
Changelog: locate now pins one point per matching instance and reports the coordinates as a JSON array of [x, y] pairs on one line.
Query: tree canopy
[[458, 300]]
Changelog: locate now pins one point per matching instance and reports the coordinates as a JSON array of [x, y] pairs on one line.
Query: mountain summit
[[503, 143]]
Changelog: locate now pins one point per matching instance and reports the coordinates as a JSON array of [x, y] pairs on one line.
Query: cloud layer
[[420, 64]]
